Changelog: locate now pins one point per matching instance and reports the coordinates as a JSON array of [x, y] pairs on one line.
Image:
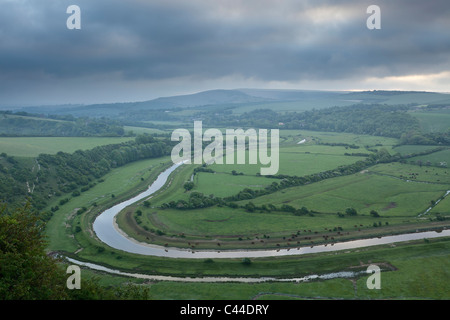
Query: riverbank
[[414, 264]]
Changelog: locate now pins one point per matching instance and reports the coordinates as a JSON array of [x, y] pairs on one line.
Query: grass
[[142, 130], [299, 163], [297, 106], [222, 222], [33, 146], [411, 149], [206, 183], [442, 208], [414, 172], [433, 121], [333, 137], [440, 159], [298, 160], [364, 192]]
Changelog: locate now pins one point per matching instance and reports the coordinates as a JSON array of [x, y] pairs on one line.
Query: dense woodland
[[27, 272], [27, 125], [378, 120], [49, 176]]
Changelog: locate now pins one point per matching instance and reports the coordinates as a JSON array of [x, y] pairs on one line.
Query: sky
[[139, 50]]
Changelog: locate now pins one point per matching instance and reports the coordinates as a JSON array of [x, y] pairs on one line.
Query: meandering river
[[107, 231]]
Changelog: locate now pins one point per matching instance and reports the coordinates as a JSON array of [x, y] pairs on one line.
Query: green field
[[412, 149], [414, 173], [33, 146], [294, 136], [363, 191], [433, 121], [142, 130], [297, 106], [442, 208], [439, 159], [207, 182], [299, 160]]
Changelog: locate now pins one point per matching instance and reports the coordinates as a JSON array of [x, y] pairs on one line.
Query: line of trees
[[19, 125], [375, 119]]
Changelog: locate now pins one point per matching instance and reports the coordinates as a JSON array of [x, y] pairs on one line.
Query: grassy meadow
[[433, 121], [33, 146], [440, 159]]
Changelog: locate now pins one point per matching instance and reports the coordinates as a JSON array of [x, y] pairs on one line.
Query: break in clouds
[[134, 45]]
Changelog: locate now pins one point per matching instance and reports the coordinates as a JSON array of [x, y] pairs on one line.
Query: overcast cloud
[[138, 50]]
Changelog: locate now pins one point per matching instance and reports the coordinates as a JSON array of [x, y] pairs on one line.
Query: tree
[[374, 214], [26, 272], [188, 186], [250, 207], [303, 211], [351, 211]]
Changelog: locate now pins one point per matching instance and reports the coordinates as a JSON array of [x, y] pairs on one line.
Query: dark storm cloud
[[268, 40]]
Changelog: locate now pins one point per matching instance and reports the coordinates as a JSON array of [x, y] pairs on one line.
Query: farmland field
[[364, 192], [440, 159], [33, 146], [411, 149], [433, 121]]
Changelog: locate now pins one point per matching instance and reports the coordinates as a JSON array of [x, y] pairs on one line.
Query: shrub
[[374, 214]]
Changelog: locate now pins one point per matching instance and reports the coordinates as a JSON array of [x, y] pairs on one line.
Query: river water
[[327, 276], [108, 232]]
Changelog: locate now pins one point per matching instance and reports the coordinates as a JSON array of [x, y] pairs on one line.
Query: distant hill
[[205, 98], [399, 97], [244, 97], [293, 95]]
